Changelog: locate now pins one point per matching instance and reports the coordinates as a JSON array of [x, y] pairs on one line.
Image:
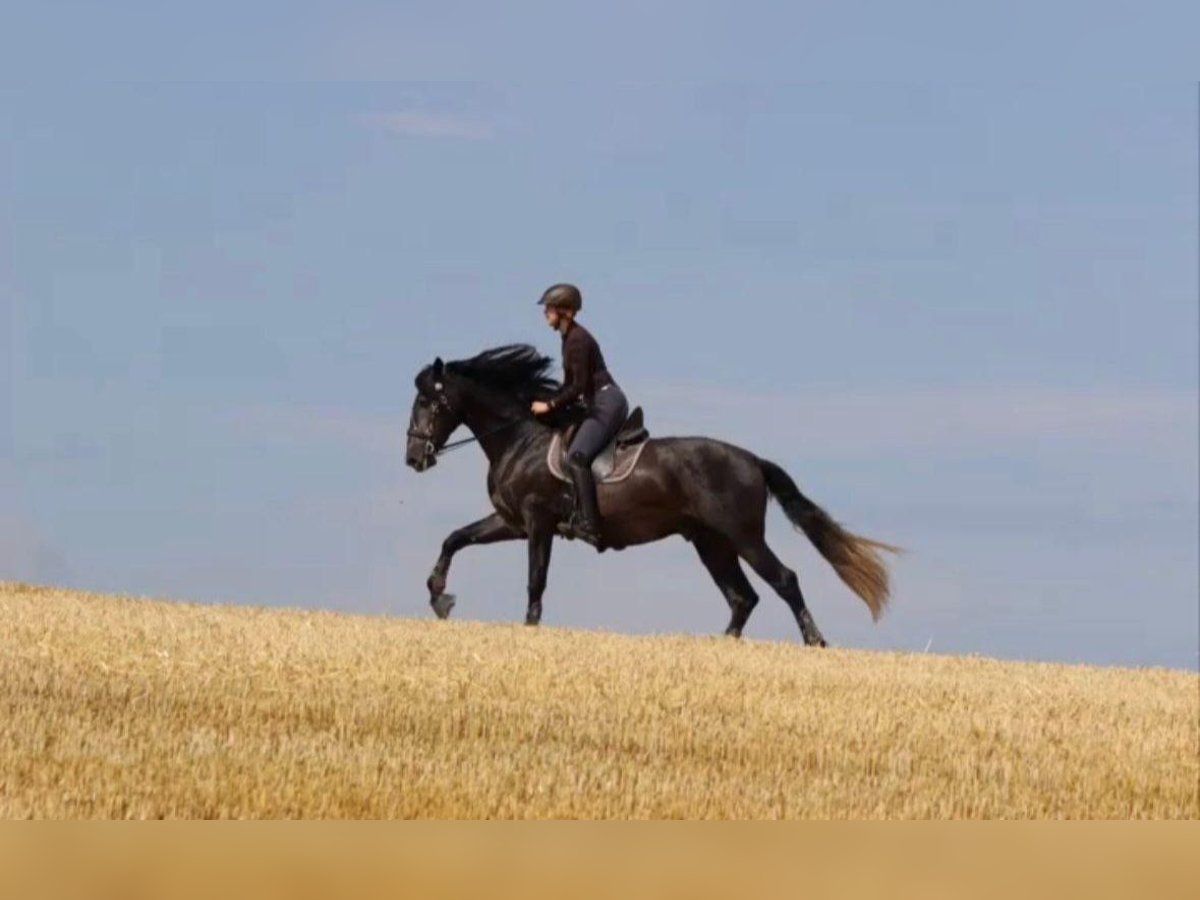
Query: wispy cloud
[[429, 125], [937, 419], [1022, 421], [348, 429]]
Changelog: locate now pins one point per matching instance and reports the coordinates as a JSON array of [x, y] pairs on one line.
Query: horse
[[711, 493]]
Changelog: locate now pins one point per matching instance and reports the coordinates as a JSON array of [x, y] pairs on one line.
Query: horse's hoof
[[442, 604]]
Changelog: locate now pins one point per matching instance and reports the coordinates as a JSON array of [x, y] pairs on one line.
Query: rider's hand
[[540, 407]]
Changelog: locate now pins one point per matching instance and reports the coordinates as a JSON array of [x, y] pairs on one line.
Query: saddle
[[615, 461]]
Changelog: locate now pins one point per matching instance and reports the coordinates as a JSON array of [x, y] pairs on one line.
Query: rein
[[462, 442]]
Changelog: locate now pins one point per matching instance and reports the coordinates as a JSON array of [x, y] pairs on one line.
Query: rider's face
[[553, 317]]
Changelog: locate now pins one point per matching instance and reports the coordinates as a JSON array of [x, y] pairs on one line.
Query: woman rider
[[586, 379]]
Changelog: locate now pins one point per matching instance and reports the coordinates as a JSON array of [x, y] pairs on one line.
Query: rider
[[585, 379]]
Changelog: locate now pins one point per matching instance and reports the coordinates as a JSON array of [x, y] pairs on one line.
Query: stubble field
[[119, 707]]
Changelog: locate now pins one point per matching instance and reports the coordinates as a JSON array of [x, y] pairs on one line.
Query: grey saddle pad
[[612, 464]]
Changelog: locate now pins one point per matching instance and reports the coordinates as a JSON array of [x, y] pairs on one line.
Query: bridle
[[440, 405]]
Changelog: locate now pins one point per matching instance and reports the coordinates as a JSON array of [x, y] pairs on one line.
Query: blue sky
[[964, 316]]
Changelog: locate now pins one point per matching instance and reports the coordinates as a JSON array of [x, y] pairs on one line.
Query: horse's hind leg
[[721, 560], [785, 583]]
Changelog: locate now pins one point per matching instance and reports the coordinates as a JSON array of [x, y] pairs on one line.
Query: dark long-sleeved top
[[584, 371]]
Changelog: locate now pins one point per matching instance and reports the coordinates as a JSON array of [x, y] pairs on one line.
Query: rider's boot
[[586, 517]]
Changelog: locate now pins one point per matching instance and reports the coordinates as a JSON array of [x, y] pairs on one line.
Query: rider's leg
[[608, 411]]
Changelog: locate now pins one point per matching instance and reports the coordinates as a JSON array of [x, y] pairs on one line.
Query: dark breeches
[[607, 413]]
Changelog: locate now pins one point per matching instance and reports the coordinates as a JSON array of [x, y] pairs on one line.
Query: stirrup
[[580, 530]]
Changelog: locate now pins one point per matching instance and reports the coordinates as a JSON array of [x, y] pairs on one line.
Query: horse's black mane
[[514, 369]]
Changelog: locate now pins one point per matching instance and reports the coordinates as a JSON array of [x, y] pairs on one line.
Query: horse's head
[[434, 416]]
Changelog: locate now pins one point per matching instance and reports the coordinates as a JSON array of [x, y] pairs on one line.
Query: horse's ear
[[438, 368]]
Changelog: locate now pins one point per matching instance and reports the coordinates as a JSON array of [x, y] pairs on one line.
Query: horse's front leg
[[488, 530], [541, 539]]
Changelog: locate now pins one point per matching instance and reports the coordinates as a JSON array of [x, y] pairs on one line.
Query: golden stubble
[[118, 707]]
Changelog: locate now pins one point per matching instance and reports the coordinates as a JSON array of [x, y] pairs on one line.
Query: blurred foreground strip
[[525, 861]]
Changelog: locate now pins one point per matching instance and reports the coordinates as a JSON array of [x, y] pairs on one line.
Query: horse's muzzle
[[422, 462], [422, 454]]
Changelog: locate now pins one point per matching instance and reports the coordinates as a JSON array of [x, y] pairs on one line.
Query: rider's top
[[584, 371]]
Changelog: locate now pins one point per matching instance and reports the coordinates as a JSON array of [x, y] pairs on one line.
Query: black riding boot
[[586, 522]]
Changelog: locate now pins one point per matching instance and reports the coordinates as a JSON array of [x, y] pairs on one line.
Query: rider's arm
[[575, 362]]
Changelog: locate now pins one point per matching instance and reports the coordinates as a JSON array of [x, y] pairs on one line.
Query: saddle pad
[[611, 465]]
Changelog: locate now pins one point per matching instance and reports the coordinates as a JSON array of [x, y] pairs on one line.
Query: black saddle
[[632, 431], [615, 461]]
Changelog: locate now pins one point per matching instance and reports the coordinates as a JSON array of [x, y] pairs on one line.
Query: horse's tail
[[856, 559]]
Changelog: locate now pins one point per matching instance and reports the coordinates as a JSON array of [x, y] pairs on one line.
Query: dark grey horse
[[712, 493]]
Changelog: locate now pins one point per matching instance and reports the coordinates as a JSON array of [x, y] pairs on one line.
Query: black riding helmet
[[562, 296]]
